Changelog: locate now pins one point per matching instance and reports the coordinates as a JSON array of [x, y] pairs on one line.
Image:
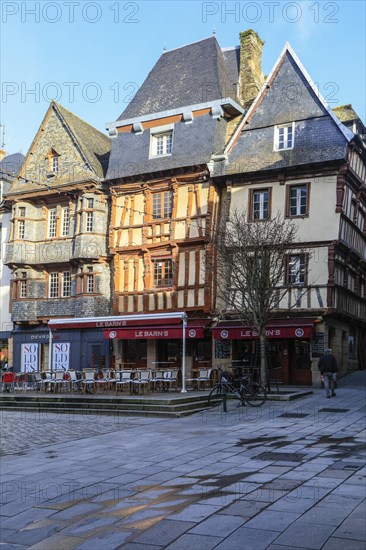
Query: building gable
[[287, 97]]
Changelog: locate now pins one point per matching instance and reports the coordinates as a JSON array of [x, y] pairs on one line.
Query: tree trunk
[[264, 372]]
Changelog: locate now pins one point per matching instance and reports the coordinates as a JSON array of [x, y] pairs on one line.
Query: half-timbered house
[[291, 153], [165, 205]]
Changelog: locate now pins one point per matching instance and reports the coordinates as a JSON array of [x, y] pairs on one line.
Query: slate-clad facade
[[57, 247]]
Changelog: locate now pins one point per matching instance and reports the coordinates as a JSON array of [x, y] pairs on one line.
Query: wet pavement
[[283, 476]]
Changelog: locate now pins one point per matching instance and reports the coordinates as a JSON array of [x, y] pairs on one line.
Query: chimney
[[2, 154], [251, 77]]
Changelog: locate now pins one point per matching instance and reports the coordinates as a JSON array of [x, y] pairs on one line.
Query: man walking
[[328, 368]]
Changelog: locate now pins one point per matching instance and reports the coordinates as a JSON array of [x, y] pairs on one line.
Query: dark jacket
[[327, 363]]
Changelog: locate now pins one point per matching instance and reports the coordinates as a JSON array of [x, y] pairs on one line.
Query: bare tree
[[252, 258]]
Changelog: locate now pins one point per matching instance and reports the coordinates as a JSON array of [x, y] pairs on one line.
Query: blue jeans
[[329, 383]]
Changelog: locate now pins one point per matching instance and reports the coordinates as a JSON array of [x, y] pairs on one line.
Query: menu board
[[222, 349], [317, 344]]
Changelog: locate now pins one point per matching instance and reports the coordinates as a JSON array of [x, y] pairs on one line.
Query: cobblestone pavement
[[285, 476]]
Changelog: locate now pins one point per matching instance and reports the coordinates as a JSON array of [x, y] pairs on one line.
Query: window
[[161, 144], [162, 205], [66, 284], [296, 274], [297, 197], [53, 290], [23, 285], [52, 223], [90, 283], [163, 272], [65, 221], [21, 229], [89, 216], [284, 137], [53, 161], [260, 204], [21, 223]]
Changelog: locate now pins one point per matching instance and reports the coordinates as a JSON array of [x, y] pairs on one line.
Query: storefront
[[71, 349], [5, 351], [137, 341], [288, 347]]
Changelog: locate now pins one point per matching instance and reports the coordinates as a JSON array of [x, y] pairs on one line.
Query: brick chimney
[[251, 77], [2, 154]]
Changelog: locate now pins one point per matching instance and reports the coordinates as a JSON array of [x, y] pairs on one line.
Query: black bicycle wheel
[[216, 395], [255, 395]]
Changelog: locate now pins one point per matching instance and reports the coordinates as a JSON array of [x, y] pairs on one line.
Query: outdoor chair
[[38, 381], [73, 381], [171, 379], [142, 380], [24, 381], [57, 381], [157, 380], [124, 378], [88, 380], [8, 381]]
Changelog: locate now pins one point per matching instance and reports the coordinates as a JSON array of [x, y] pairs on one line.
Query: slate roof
[[10, 165], [95, 145], [193, 144], [190, 75], [319, 136]]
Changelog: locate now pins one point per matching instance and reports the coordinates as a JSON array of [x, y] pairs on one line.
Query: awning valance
[[154, 333], [277, 328]]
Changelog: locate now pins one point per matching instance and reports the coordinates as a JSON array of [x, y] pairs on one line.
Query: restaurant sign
[[236, 333], [151, 333]]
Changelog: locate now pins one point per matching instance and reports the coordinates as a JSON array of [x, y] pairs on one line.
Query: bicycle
[[252, 393]]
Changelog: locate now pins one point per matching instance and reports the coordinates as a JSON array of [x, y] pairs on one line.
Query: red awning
[[277, 328], [154, 333]]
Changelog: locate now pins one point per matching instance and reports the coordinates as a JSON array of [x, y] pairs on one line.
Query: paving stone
[[164, 533], [19, 521], [248, 539], [244, 508], [195, 512], [301, 536], [300, 505], [106, 541], [190, 541], [218, 525], [339, 544], [272, 521], [352, 529], [57, 541]]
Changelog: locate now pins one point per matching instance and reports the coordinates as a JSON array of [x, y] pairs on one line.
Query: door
[[96, 356], [300, 364]]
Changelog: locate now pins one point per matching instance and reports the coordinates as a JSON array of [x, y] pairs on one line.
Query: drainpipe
[[184, 356], [50, 350]]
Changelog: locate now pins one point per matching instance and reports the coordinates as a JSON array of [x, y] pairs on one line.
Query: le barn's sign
[[151, 333], [242, 333]]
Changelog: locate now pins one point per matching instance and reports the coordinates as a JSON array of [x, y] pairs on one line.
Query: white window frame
[[66, 284], [298, 206], [286, 145], [165, 136], [65, 227], [54, 285], [52, 223], [23, 285], [296, 271], [21, 229], [160, 278], [261, 203]]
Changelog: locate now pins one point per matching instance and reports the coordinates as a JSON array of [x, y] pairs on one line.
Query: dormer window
[[53, 161], [284, 137], [161, 143]]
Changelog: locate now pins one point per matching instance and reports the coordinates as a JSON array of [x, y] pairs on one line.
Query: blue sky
[[92, 56]]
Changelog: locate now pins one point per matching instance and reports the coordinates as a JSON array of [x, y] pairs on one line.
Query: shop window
[[352, 344]]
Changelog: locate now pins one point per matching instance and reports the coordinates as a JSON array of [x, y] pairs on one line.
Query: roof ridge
[[189, 44]]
